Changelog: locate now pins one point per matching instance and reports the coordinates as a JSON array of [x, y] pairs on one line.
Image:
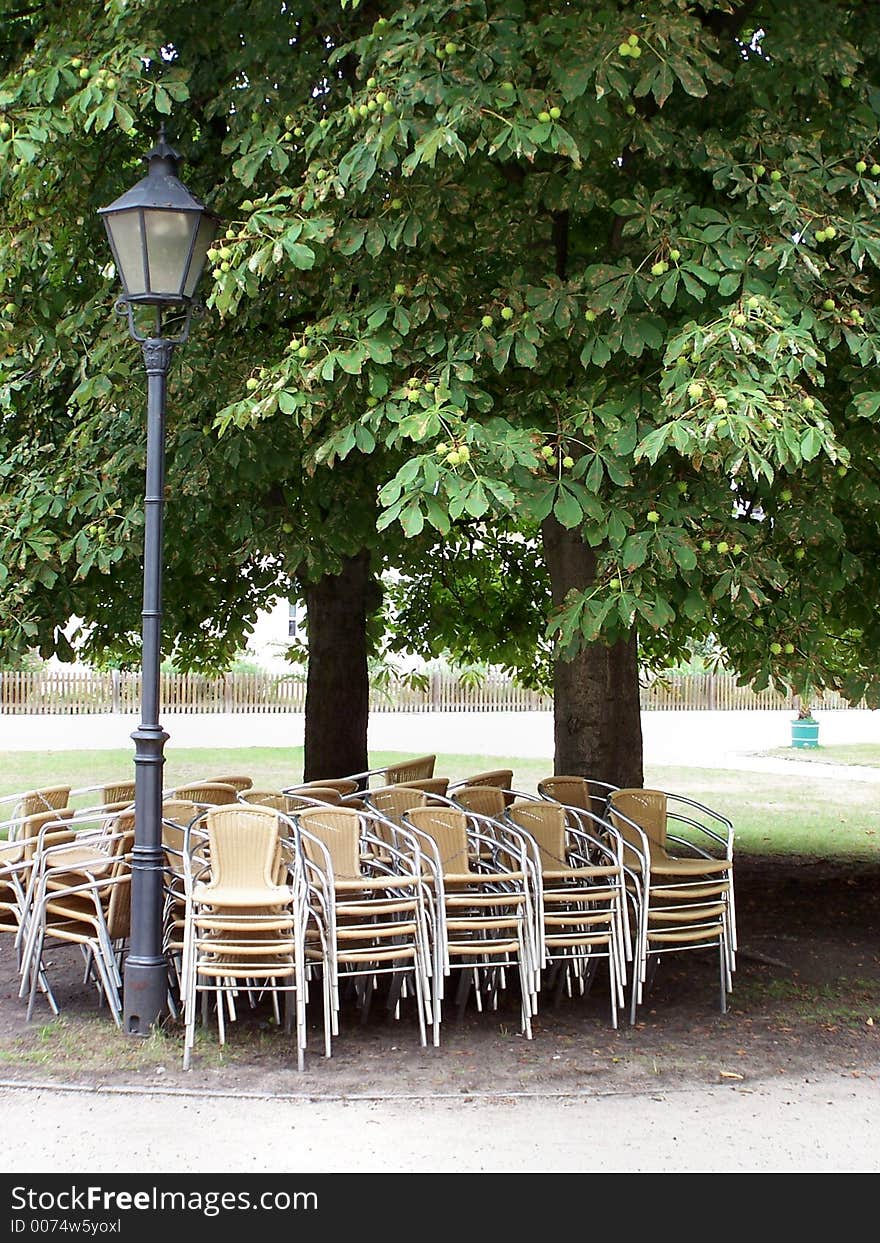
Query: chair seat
[[667, 865], [236, 899]]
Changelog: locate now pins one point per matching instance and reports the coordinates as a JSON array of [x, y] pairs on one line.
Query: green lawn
[[859, 753], [771, 813]]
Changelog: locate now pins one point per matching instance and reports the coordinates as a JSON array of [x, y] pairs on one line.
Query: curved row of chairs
[[392, 890]]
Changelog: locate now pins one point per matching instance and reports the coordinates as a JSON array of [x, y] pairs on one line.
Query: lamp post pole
[[159, 234], [145, 976]]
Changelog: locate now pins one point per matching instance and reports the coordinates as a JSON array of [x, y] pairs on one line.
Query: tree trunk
[[338, 689], [597, 723]]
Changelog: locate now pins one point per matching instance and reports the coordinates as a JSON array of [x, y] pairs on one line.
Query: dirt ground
[[806, 1001]]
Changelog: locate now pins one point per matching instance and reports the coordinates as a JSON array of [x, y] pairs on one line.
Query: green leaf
[[162, 100], [376, 239], [574, 79], [635, 550], [301, 256], [670, 289], [475, 501], [525, 353], [412, 519], [379, 351], [811, 444], [866, 404], [688, 77], [350, 237], [567, 508], [351, 361]]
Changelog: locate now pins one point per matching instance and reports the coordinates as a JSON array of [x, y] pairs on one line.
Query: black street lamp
[[160, 235]]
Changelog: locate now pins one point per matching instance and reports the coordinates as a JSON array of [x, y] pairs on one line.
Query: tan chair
[[488, 800], [61, 839], [485, 922], [410, 770], [177, 815], [377, 918], [682, 852], [117, 792], [502, 778], [266, 798], [206, 793], [304, 796], [238, 780], [16, 863], [572, 791], [31, 803], [84, 902], [343, 785], [429, 785], [583, 899], [392, 801], [243, 928]]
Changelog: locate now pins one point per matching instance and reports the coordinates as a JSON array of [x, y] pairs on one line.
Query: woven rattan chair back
[[275, 799], [572, 791], [647, 808], [314, 794], [447, 826], [118, 792], [487, 800], [546, 824], [29, 830], [339, 830], [344, 785], [244, 845], [410, 770], [118, 911], [393, 801], [207, 793], [501, 777], [239, 781], [49, 798], [430, 785]]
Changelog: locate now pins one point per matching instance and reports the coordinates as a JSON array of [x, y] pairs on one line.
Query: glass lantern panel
[[204, 238], [169, 237], [126, 238]]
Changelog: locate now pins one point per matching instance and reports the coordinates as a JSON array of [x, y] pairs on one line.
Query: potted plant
[[804, 729]]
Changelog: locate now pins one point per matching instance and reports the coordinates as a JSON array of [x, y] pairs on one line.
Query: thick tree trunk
[[597, 724], [338, 689]]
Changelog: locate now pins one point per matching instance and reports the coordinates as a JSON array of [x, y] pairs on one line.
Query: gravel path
[[823, 1125]]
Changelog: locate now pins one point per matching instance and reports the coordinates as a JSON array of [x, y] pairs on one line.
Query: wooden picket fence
[[60, 691]]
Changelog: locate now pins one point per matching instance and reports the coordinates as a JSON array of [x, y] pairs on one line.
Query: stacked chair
[[244, 919], [346, 890], [501, 778], [682, 853], [372, 893], [79, 894], [484, 904], [206, 793], [582, 898]]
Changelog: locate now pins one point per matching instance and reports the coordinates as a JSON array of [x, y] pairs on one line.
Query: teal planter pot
[[804, 733]]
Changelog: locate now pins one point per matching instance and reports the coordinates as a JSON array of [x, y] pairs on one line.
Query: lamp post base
[[145, 995]]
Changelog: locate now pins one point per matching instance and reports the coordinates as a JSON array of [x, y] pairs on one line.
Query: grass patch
[[89, 1044], [862, 754], [772, 813], [849, 1002]]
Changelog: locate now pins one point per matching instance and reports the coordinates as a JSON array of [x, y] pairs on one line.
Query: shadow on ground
[[806, 1001]]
